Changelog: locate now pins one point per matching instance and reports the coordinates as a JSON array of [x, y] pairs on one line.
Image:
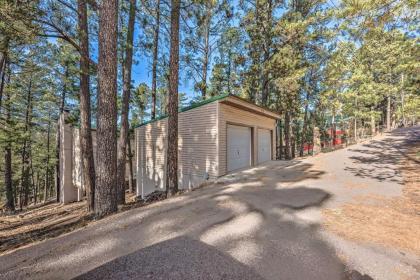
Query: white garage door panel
[[238, 147], [264, 145]]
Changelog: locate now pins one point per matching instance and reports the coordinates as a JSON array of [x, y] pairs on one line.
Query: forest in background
[[314, 62]]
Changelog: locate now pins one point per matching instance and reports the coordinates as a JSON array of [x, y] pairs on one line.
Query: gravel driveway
[[261, 223]]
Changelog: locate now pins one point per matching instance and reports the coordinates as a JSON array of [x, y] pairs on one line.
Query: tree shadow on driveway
[[381, 159], [178, 258], [254, 226], [253, 242]]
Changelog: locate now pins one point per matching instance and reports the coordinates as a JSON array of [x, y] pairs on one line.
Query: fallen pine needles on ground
[[44, 221]]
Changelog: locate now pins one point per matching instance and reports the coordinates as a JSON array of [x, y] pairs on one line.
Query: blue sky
[[141, 73]]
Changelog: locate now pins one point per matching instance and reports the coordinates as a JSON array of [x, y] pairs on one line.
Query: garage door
[[264, 145], [238, 147]]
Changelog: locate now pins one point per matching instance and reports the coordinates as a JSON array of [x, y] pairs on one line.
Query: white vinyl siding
[[202, 143], [197, 150]]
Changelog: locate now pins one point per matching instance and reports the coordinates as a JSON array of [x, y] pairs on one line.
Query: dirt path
[[269, 222]]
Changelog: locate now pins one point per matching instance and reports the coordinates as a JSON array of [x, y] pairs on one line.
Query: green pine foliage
[[318, 63]]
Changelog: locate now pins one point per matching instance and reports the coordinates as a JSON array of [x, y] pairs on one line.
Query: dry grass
[[39, 223], [390, 222], [45, 221], [40, 217]]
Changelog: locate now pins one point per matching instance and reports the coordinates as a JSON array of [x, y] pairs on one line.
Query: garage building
[[216, 136]]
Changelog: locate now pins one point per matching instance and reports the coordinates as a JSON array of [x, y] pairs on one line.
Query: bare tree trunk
[[2, 64], [36, 188], [2, 79], [128, 62], [355, 121], [155, 58], [31, 167], [46, 187], [388, 113], [58, 140], [281, 155], [86, 149], [3, 67], [24, 180], [267, 51], [47, 172], [207, 22], [106, 200], [229, 70], [304, 129], [172, 151], [355, 130], [287, 140], [293, 134], [10, 201], [372, 123]]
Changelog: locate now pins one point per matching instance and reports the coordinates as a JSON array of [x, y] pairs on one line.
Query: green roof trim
[[192, 106]]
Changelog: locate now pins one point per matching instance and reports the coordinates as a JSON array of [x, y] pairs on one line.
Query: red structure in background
[[336, 137], [308, 147]]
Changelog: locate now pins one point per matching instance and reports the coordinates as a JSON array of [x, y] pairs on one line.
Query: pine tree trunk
[[36, 188], [3, 67], [287, 140], [31, 167], [46, 187], [47, 172], [24, 180], [58, 139], [155, 58], [26, 185], [355, 130], [86, 149], [388, 113], [293, 140], [2, 80], [229, 70], [267, 51], [207, 23], [10, 203], [355, 120], [10, 200], [128, 62], [130, 166], [281, 155], [372, 125], [304, 129], [172, 151], [106, 199]]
